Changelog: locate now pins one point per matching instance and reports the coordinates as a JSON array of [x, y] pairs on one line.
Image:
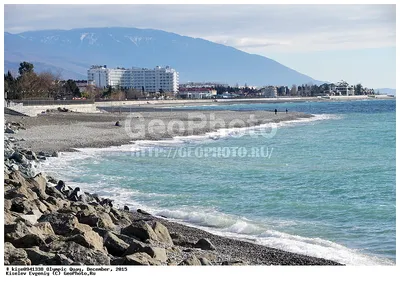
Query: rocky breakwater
[[50, 223]]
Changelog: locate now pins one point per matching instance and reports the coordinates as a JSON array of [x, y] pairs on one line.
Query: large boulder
[[19, 190], [29, 240], [80, 206], [21, 205], [60, 259], [162, 233], [115, 245], [39, 185], [17, 230], [85, 236], [97, 219], [37, 256], [14, 256], [141, 230], [156, 253], [135, 247], [31, 217], [9, 217], [61, 223], [44, 228], [40, 205], [204, 244], [140, 259], [19, 158], [78, 253], [52, 191], [192, 260], [7, 204], [57, 202]]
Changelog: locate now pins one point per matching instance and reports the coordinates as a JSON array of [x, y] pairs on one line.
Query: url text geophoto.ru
[[205, 152]]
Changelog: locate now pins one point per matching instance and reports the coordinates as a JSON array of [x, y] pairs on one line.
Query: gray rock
[[204, 261], [61, 223], [140, 230], [10, 131], [7, 204], [140, 259], [30, 155], [115, 245], [97, 219], [39, 186], [60, 259], [19, 158], [204, 244], [14, 256], [79, 254], [162, 233], [16, 230], [21, 205], [192, 260], [85, 236], [52, 191], [37, 256], [29, 240], [135, 247], [156, 253]]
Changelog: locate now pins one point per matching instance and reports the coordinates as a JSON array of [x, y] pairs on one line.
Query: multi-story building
[[270, 91], [150, 80]]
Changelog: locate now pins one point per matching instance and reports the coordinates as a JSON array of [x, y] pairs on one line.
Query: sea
[[323, 186]]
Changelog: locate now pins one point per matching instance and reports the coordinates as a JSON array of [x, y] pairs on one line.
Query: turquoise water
[[323, 187]]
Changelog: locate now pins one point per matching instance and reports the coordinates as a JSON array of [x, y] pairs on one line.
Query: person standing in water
[[276, 111]]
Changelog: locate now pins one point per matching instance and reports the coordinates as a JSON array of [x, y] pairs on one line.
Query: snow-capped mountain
[[72, 52]]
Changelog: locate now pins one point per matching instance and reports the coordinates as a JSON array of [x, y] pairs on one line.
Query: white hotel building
[[152, 80]]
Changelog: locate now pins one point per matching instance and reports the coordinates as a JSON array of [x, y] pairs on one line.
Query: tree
[[25, 67], [71, 88], [358, 89]]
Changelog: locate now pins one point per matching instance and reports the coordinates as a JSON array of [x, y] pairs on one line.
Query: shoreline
[[195, 102], [230, 251], [67, 131]]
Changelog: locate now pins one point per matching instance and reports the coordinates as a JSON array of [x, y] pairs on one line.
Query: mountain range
[[71, 53]]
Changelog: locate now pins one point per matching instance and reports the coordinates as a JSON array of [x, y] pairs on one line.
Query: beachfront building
[[197, 93], [342, 89], [270, 92], [154, 80]]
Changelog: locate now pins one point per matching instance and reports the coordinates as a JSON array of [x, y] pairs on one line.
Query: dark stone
[[29, 240], [140, 259], [115, 245], [141, 230], [192, 260], [62, 223], [204, 244], [143, 212], [14, 256], [37, 256], [79, 254]]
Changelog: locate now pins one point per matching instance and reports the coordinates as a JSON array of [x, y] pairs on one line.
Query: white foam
[[216, 222]]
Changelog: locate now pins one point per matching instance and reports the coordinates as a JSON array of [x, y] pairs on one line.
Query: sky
[[355, 43]]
